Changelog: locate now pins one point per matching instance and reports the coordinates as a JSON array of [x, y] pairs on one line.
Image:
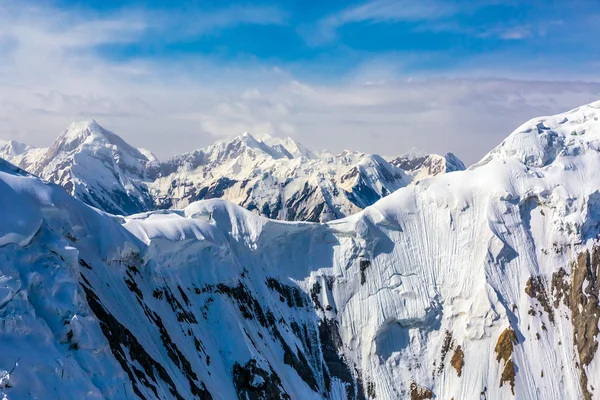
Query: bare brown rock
[[458, 360], [508, 375], [419, 393], [585, 310], [505, 344], [504, 349]]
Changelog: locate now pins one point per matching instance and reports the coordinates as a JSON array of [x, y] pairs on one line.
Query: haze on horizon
[[377, 76]]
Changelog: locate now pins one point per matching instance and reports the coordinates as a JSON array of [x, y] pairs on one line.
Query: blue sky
[[439, 75], [418, 37]]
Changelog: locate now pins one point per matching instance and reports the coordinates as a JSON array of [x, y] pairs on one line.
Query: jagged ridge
[[277, 178]]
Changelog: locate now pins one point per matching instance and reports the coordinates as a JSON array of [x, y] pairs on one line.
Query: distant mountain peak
[[82, 130], [89, 124], [13, 148], [277, 177], [453, 163], [422, 166], [291, 146], [90, 133]]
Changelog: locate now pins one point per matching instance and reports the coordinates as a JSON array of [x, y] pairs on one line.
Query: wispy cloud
[[508, 32], [36, 25], [384, 11], [51, 74], [428, 16], [395, 10]]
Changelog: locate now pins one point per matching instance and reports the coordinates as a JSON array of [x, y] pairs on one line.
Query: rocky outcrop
[[585, 309], [458, 360], [504, 350]]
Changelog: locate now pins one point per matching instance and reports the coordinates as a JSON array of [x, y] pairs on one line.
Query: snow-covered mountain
[[277, 178], [480, 284], [98, 167], [20, 154], [424, 166]]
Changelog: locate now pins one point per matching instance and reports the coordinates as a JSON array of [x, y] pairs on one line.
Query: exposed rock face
[[458, 360], [585, 310], [420, 393], [505, 345], [561, 288], [536, 289], [504, 351], [508, 375], [254, 383]]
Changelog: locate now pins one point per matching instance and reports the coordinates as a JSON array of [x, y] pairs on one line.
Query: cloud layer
[[56, 69]]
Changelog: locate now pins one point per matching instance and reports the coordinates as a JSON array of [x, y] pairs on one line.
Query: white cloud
[[51, 75], [432, 15], [378, 11], [508, 33], [395, 10]]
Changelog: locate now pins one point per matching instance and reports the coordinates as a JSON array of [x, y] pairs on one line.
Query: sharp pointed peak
[[84, 128], [245, 138], [91, 132], [14, 147], [247, 135], [264, 137]]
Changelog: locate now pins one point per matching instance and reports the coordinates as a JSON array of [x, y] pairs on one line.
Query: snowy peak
[[291, 146], [96, 166], [265, 146], [453, 163], [421, 166], [20, 154], [91, 134], [148, 154], [84, 140], [275, 177], [13, 148], [262, 145], [538, 142]]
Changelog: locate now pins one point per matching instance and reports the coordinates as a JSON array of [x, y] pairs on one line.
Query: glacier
[[476, 284]]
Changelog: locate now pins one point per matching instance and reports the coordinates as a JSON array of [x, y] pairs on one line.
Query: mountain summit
[[277, 178], [96, 166]]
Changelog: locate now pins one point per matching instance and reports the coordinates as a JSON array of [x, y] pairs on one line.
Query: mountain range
[[276, 178], [476, 284]]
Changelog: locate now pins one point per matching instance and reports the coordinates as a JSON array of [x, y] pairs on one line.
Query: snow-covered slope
[[20, 154], [98, 167], [277, 178], [480, 284]]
